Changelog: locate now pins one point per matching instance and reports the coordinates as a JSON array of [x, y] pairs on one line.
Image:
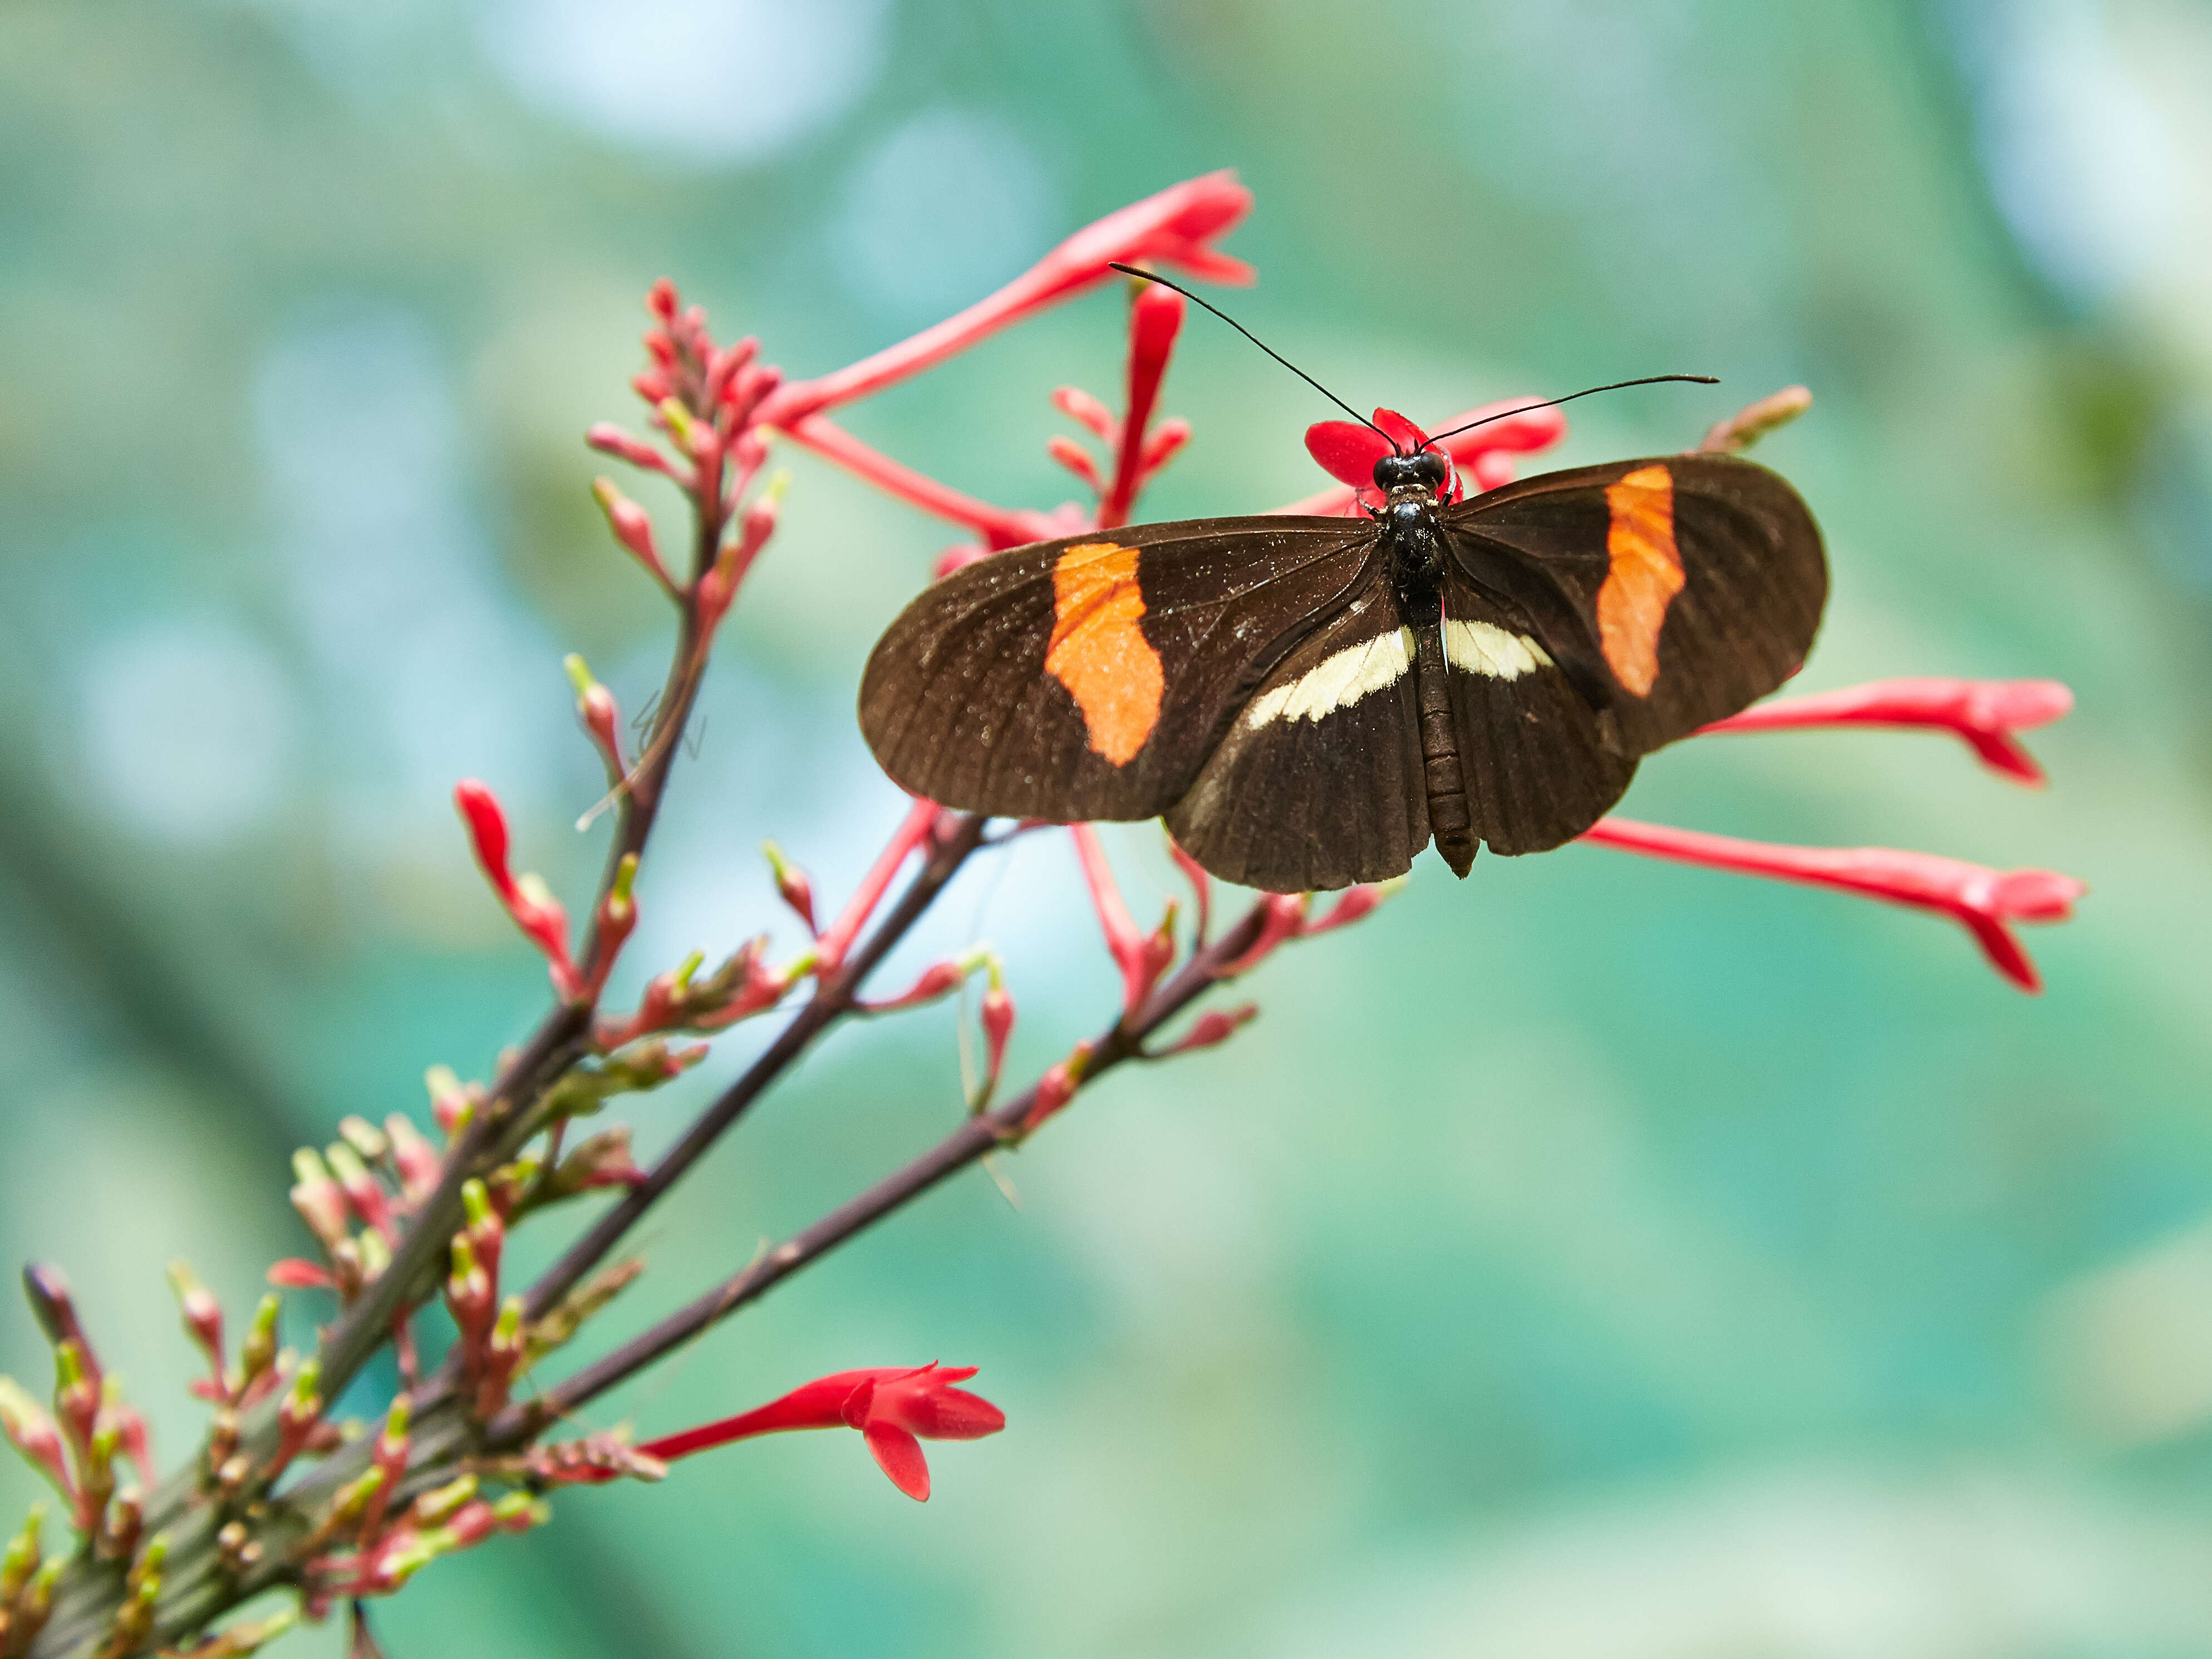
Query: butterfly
[[1310, 701]]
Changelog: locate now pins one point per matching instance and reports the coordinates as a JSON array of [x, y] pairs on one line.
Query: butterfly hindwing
[[1090, 677], [1675, 590], [1535, 762], [1318, 783]]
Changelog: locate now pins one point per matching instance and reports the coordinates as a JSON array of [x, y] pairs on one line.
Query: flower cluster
[[411, 1224], [79, 1447]]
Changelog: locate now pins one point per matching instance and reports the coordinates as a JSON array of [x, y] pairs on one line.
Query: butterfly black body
[[1309, 702]]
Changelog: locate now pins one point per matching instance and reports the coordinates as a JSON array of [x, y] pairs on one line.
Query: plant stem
[[830, 1000], [980, 1134]]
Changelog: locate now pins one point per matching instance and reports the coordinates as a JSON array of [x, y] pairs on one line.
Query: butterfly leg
[[1449, 820]]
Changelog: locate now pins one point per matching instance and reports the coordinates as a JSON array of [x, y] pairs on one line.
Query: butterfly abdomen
[[1417, 572], [1450, 820]]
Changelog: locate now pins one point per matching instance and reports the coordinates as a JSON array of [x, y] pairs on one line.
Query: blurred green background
[[1598, 1259]]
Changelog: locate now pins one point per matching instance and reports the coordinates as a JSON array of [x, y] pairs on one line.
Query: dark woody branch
[[982, 1133]]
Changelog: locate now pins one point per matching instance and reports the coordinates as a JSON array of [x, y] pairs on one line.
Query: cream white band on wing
[[1481, 648], [1337, 681]]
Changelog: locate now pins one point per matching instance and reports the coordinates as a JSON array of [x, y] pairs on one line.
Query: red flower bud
[[33, 1434], [1086, 410], [1356, 904], [533, 909], [633, 527], [938, 981], [1057, 1087], [203, 1315], [719, 587], [1166, 441], [1076, 459], [792, 885], [609, 440], [320, 1201], [1282, 916], [998, 1021], [418, 1161], [1212, 1029]]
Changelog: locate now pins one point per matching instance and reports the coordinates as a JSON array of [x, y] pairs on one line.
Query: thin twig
[[973, 1138], [831, 1000]]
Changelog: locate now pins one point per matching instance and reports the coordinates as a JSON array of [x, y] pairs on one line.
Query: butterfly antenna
[[1132, 270], [1649, 379]]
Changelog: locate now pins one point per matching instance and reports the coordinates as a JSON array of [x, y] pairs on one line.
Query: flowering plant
[[282, 1494]]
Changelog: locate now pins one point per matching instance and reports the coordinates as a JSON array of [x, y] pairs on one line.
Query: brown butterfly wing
[[1091, 677], [1673, 591], [1533, 756], [1318, 783]]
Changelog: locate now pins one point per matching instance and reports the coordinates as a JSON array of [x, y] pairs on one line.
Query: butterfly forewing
[[1535, 763], [1090, 677], [1690, 584], [1317, 782]]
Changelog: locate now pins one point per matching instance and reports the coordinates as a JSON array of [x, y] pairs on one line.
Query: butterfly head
[[1424, 470]]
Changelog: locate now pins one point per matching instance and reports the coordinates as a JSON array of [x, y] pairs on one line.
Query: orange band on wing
[[1646, 574], [1097, 652]]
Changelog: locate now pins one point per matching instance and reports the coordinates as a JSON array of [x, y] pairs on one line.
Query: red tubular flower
[[999, 527], [894, 1409], [1984, 713], [1142, 957], [1201, 884], [1178, 227], [1982, 900], [921, 819], [1348, 451], [1156, 316], [536, 913]]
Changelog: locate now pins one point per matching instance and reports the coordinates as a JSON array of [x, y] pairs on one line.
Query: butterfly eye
[[1396, 471]]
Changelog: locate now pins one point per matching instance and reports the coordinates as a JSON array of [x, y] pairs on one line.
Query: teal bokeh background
[[1598, 1259]]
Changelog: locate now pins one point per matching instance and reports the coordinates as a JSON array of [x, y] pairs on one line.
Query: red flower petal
[[898, 1454], [1980, 899], [1984, 713], [1348, 452], [1402, 432]]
